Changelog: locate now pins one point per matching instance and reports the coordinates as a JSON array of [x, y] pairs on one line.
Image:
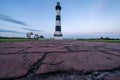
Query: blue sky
[[79, 18]]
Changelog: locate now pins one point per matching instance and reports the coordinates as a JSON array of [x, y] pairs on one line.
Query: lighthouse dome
[[58, 7]]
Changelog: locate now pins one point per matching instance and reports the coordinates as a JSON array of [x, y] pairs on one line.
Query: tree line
[[36, 36], [28, 36]]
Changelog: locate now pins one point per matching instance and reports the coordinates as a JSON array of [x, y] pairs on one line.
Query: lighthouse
[[58, 34]]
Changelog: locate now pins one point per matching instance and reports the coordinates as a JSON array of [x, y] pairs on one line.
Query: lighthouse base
[[58, 37]]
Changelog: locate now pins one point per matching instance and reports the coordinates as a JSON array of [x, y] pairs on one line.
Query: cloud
[[9, 19], [30, 29], [2, 30]]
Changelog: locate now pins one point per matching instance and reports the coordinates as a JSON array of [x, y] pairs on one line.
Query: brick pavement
[[20, 60]]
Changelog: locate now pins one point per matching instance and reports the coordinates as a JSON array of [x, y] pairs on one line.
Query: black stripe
[[58, 7], [58, 17], [58, 28]]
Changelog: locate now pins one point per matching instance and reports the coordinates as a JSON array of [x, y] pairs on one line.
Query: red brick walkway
[[18, 59]]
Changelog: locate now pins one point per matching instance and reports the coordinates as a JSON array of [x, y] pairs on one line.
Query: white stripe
[[58, 23], [58, 12]]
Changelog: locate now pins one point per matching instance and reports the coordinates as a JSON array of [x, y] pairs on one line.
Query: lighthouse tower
[[58, 34]]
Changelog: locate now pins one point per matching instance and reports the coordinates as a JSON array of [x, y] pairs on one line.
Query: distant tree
[[41, 37], [107, 38], [79, 39], [101, 38], [31, 33], [36, 36], [28, 35], [117, 39]]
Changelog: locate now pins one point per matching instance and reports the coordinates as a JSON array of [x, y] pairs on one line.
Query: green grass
[[16, 40], [23, 40], [99, 40]]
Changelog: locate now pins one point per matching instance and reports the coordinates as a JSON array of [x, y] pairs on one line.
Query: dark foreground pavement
[[59, 60]]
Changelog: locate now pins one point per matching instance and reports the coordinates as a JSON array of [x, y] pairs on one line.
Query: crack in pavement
[[23, 50], [113, 49], [31, 72], [108, 53], [20, 51]]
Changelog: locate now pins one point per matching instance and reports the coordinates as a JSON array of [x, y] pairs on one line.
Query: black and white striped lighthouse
[[58, 34]]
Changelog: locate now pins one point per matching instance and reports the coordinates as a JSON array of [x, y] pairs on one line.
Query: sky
[[79, 18]]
